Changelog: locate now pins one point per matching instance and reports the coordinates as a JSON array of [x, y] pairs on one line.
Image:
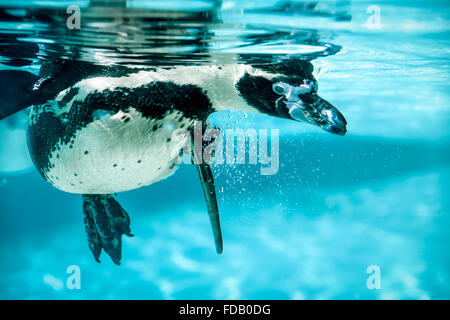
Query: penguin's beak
[[317, 111]]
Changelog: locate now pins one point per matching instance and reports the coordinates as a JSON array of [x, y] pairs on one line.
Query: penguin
[[100, 130]]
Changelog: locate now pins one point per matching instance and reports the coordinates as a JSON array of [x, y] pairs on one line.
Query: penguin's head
[[289, 90]]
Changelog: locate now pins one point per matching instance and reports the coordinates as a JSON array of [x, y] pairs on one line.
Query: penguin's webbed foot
[[105, 221]]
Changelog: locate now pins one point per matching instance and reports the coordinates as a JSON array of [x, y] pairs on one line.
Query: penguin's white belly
[[113, 154]]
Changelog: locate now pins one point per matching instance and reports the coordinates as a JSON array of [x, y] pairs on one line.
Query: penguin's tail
[[16, 91]]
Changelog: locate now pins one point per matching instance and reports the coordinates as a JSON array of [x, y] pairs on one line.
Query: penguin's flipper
[[207, 181], [105, 221], [16, 91], [209, 190]]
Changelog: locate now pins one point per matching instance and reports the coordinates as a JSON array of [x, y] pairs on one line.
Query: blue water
[[376, 197]]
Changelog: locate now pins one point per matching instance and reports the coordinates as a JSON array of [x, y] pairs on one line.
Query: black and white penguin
[[98, 130]]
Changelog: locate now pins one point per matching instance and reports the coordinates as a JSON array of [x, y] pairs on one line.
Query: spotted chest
[[117, 152], [99, 140]]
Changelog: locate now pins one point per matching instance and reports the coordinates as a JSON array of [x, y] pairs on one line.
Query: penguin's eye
[[278, 89]]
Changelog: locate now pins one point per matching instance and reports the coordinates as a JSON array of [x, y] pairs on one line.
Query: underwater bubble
[[169, 125], [14, 156], [3, 182], [64, 119], [100, 114]]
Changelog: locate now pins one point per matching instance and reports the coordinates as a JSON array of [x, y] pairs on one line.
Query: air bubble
[[99, 114], [3, 182]]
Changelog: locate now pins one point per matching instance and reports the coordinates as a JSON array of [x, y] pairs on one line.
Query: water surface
[[378, 196]]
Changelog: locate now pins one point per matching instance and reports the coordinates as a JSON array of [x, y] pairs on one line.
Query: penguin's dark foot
[[105, 221]]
